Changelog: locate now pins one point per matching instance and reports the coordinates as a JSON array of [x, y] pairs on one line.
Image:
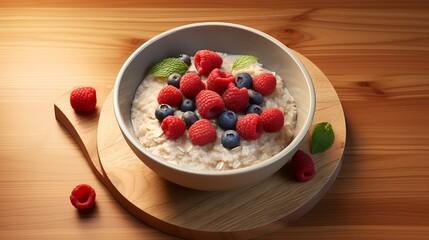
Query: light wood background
[[375, 53]]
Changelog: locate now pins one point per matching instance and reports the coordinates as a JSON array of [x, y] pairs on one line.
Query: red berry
[[173, 127], [83, 99], [191, 85], [249, 127], [209, 104], [302, 166], [205, 61], [82, 197], [218, 81], [202, 132], [170, 95], [272, 120], [265, 83], [235, 99]]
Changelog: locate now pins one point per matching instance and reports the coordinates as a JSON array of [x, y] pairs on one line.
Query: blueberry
[[162, 111], [255, 97], [174, 80], [244, 80], [190, 118], [254, 109], [227, 120], [187, 105], [185, 58], [230, 139]]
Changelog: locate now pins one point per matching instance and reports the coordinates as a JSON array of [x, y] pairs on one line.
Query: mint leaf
[[322, 137], [243, 62], [168, 66]]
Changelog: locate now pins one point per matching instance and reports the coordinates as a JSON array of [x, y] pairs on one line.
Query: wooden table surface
[[375, 53]]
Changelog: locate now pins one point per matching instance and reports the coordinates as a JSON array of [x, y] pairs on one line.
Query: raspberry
[[202, 132], [218, 81], [209, 104], [83, 99], [235, 99], [173, 127], [205, 61], [82, 197], [250, 126], [191, 85], [170, 95], [272, 120], [302, 166], [265, 83]]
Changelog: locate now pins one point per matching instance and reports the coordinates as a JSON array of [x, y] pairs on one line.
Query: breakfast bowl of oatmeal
[[214, 106]]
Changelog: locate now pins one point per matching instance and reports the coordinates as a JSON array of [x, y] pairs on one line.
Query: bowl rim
[[291, 146]]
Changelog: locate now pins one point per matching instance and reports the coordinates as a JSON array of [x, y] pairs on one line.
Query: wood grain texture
[[375, 54], [216, 4]]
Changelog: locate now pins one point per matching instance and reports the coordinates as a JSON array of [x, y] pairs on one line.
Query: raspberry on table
[[83, 99], [265, 83], [202, 132], [303, 166], [249, 126], [205, 61], [83, 196], [191, 85], [170, 95], [173, 127], [235, 99], [218, 81], [209, 104], [272, 120]]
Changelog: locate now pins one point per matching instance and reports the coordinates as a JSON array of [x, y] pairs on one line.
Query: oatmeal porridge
[[213, 156]]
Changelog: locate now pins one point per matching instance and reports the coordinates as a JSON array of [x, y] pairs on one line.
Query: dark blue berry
[[255, 97], [254, 109], [190, 118], [244, 80], [162, 111], [187, 105], [230, 139], [227, 120], [174, 80], [185, 58]]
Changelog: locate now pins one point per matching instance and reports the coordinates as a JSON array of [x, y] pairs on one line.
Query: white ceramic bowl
[[221, 37]]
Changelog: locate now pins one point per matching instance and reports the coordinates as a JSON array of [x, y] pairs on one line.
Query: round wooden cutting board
[[238, 214]]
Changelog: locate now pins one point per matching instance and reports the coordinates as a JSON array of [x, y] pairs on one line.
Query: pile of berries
[[221, 97]]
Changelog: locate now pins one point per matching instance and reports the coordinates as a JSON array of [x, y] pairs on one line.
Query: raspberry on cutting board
[[302, 166], [83, 99]]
